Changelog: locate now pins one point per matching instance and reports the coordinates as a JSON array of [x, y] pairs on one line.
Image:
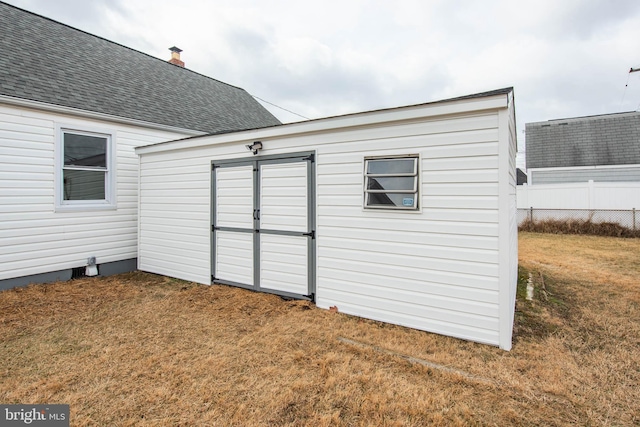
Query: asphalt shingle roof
[[44, 60], [610, 139]]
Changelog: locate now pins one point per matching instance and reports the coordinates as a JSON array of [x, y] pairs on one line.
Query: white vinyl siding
[[438, 269], [283, 197], [175, 218], [283, 263], [234, 206], [234, 259], [34, 238], [283, 206], [234, 194]]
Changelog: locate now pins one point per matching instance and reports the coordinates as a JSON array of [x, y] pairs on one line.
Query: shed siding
[[34, 238], [175, 216], [438, 269]]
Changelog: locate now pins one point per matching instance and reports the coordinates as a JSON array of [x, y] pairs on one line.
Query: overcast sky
[[565, 58]]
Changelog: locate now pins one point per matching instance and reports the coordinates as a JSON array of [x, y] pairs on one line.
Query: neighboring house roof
[[610, 139], [46, 61]]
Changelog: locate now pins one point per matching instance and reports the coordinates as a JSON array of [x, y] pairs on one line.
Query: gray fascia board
[[53, 108]]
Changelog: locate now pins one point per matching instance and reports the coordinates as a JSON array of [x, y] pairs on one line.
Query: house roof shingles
[[609, 139], [46, 61]]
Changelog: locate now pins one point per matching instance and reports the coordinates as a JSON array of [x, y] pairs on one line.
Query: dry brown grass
[[146, 350]]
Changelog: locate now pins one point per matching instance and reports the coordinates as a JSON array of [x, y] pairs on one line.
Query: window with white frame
[[86, 169], [391, 182]]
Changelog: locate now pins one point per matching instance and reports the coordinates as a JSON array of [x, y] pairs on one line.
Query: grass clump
[[577, 226]]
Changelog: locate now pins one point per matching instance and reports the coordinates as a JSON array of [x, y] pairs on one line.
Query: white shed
[[404, 215]]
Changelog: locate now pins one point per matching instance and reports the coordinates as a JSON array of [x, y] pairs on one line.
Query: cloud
[[90, 13]]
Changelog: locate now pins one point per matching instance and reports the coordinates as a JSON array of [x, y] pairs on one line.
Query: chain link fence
[[629, 219]]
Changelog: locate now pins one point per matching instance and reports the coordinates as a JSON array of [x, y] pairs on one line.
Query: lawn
[[145, 350]]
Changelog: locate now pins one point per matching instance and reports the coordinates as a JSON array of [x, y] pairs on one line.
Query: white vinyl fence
[[626, 218], [583, 195], [614, 202]]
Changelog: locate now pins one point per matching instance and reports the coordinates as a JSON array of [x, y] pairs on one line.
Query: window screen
[[85, 167], [391, 183]]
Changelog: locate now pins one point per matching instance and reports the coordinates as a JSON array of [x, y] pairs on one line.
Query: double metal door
[[263, 224]]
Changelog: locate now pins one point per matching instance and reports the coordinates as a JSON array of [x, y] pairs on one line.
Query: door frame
[[305, 156]]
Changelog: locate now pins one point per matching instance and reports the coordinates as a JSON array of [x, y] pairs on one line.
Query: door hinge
[[311, 234], [310, 158], [311, 296]]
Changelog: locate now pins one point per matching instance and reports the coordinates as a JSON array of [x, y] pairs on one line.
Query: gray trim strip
[[232, 283], [104, 269], [256, 224], [234, 229], [212, 213], [273, 158], [264, 290], [54, 276], [285, 294], [283, 232], [59, 109], [118, 267], [311, 224]]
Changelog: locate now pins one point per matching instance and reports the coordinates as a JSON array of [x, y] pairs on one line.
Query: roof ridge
[[594, 115], [121, 45], [590, 116]]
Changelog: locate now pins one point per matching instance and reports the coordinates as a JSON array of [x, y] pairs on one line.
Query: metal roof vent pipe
[[175, 57]]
